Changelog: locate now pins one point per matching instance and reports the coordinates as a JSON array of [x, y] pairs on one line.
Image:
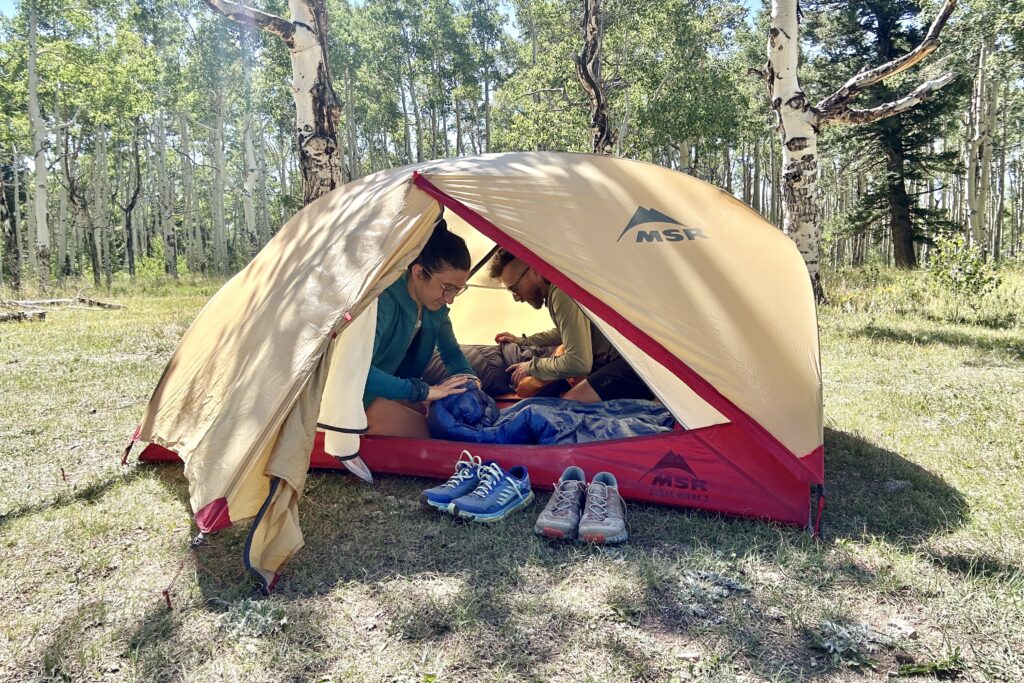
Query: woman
[[412, 321]]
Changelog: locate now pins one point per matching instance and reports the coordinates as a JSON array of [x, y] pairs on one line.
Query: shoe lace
[[565, 498], [465, 467], [599, 497], [597, 501], [490, 475]]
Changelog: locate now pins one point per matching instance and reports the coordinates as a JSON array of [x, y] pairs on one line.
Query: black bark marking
[[796, 144]]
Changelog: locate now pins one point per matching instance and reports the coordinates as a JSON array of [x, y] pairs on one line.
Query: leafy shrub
[[962, 270]]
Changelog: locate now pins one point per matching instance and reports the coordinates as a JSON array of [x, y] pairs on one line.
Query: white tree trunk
[[101, 212], [220, 245], [249, 189], [189, 225], [415, 113], [285, 175], [40, 254], [30, 229], [997, 240], [16, 216], [350, 126], [76, 250], [799, 136], [985, 179], [799, 122], [405, 118], [264, 218], [63, 268], [165, 200], [316, 107], [756, 194], [979, 149]]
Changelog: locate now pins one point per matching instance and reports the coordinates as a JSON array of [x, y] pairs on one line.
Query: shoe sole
[[495, 517], [554, 534], [431, 505], [601, 539]]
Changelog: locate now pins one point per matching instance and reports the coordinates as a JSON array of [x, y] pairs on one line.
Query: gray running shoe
[[561, 515], [604, 517]]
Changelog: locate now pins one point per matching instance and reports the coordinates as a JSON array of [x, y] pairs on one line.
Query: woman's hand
[[466, 377], [452, 385], [506, 338]]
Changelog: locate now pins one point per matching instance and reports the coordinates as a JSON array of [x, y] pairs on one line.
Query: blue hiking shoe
[[465, 479], [498, 494]]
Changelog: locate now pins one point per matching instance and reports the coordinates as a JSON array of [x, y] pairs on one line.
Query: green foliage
[[949, 667], [879, 291], [852, 645], [962, 270], [253, 618], [895, 153]]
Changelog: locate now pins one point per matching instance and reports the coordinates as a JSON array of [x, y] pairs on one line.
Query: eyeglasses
[[449, 291], [512, 287]]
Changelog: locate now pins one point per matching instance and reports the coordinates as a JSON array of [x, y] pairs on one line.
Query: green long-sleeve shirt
[[582, 340]]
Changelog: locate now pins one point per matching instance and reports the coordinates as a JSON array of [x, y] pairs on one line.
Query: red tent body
[[717, 468]]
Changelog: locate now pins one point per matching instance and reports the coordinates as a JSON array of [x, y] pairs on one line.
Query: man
[[588, 353]]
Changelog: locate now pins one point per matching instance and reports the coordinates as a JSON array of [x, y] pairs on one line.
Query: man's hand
[[506, 338], [452, 385], [520, 371]]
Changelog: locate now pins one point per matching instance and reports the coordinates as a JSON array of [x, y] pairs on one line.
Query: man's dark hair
[[444, 250], [501, 259]]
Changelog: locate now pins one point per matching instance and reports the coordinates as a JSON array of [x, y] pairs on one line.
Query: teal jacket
[[400, 354]]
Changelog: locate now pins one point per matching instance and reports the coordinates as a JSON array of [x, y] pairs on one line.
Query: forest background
[[157, 135]]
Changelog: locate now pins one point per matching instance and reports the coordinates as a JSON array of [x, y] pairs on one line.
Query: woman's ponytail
[[443, 250]]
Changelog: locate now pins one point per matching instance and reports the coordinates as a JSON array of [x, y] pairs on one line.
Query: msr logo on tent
[[644, 216], [672, 477]]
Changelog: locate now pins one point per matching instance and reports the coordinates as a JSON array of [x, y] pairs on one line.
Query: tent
[[709, 303]]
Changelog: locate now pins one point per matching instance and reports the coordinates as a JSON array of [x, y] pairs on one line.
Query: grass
[[920, 573]]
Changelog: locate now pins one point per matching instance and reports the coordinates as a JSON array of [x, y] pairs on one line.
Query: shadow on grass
[[378, 537], [980, 341], [873, 492], [977, 566], [432, 579], [58, 660], [70, 496]]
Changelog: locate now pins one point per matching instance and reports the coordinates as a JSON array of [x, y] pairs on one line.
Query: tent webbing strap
[[482, 262]]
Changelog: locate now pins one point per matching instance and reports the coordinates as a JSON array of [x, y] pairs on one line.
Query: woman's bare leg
[[394, 418]]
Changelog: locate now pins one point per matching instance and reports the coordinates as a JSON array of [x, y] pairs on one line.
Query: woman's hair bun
[[441, 225]]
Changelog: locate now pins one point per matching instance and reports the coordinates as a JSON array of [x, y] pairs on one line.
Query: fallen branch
[[99, 304], [22, 316], [36, 303]]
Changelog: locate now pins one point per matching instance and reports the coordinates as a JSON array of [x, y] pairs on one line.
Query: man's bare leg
[[395, 418], [583, 393]]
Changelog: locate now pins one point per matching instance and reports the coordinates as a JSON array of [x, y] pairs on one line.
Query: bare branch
[[853, 117], [254, 17], [831, 105]]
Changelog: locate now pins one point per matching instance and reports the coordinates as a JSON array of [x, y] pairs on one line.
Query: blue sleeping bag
[[474, 416]]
